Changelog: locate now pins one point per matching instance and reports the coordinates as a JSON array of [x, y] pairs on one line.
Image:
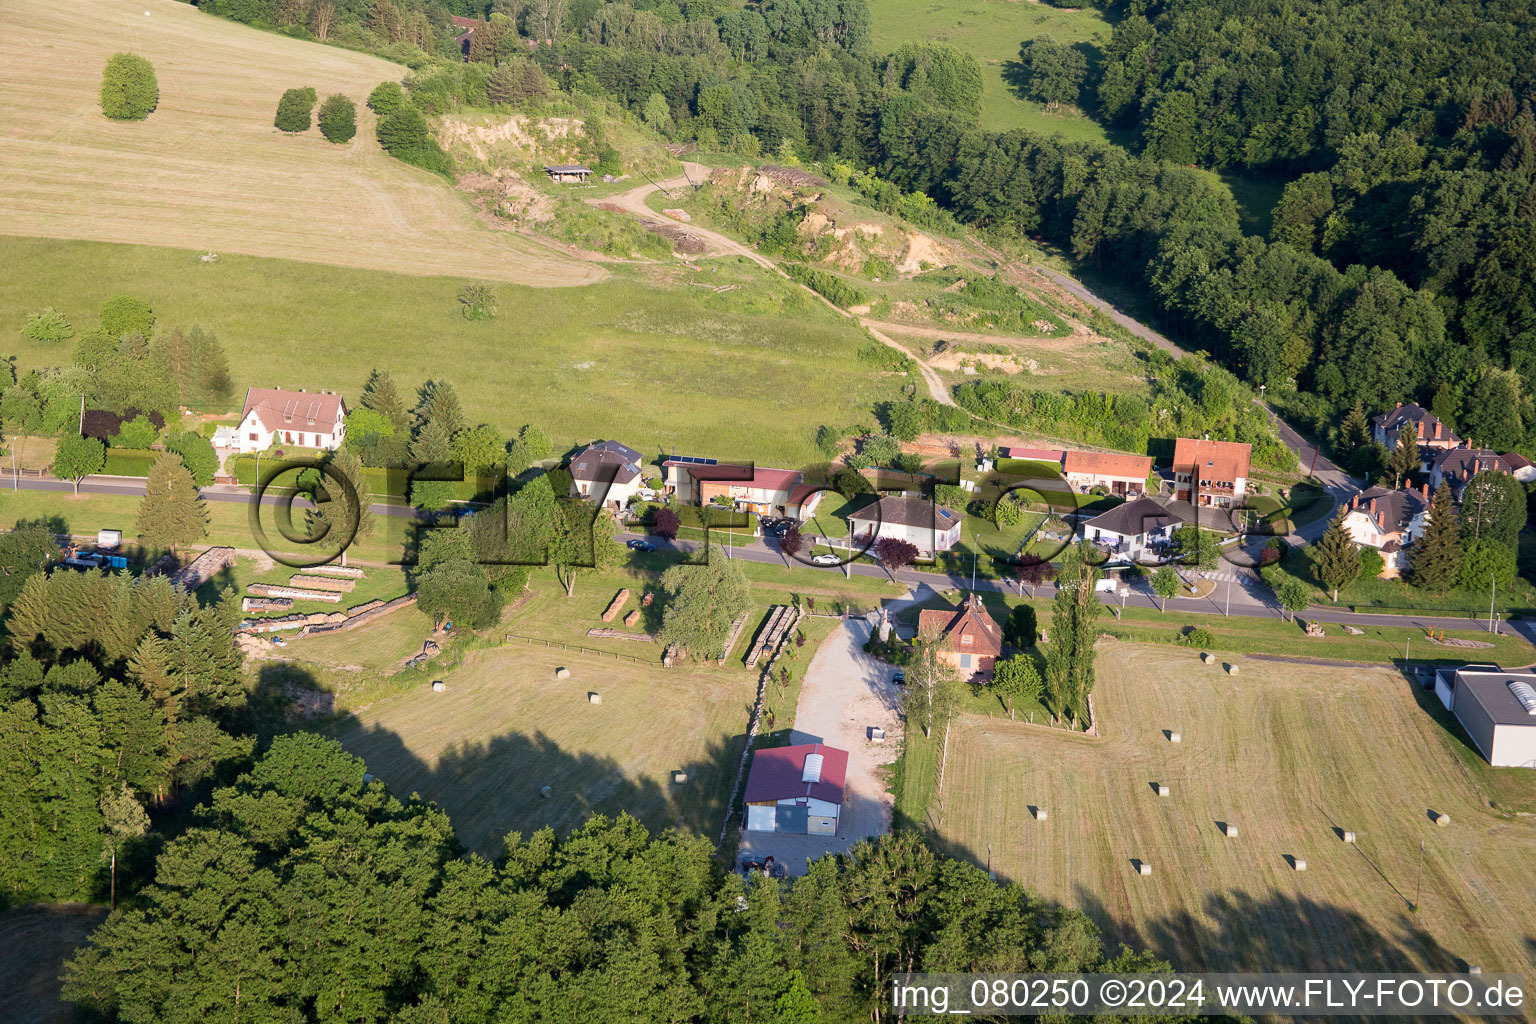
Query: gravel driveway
[[845, 693]]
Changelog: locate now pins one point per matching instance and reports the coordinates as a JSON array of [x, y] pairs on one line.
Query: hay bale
[[1175, 736], [438, 686], [1230, 830], [562, 673], [546, 792], [616, 604], [1208, 658], [1162, 789], [1143, 868], [1442, 820], [1349, 837], [594, 698], [632, 618], [1231, 670], [679, 777], [1299, 863], [1041, 814]]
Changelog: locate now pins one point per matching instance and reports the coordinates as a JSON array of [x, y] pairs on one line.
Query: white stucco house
[[276, 417], [929, 527], [1389, 521], [1134, 528]]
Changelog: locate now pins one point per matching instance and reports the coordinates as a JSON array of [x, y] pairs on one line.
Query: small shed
[[568, 172]]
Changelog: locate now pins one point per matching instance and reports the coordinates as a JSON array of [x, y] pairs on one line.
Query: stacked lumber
[[321, 583], [616, 605], [780, 618]]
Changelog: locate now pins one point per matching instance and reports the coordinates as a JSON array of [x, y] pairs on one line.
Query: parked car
[[642, 545], [784, 526], [900, 678], [826, 559], [767, 522]]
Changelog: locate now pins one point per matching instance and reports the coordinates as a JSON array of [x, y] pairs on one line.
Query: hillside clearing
[[1286, 753], [207, 170]]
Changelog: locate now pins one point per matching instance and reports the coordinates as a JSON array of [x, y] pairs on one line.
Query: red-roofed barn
[[796, 789]]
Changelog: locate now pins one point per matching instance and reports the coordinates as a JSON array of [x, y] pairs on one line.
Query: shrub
[[338, 119], [124, 314], [293, 110], [404, 134], [884, 358], [1371, 563], [197, 455], [477, 302], [386, 98], [48, 325], [881, 449], [129, 91], [829, 286], [138, 432], [1197, 636], [664, 523]]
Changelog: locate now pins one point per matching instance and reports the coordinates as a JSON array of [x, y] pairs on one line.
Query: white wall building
[[275, 417]]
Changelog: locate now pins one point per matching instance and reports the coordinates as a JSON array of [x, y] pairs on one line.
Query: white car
[[826, 559]]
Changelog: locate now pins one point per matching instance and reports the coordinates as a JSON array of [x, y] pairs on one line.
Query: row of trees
[[608, 923], [338, 114]]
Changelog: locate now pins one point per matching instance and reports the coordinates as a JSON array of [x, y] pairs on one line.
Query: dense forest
[[1402, 260]]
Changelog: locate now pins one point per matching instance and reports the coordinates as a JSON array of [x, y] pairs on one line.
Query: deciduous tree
[[78, 457], [129, 90]]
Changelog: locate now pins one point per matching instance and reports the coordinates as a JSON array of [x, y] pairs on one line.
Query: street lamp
[[1493, 588]]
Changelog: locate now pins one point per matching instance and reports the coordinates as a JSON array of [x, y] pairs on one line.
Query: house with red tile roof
[[1116, 472], [797, 789], [1211, 473], [970, 638], [759, 490], [300, 419]]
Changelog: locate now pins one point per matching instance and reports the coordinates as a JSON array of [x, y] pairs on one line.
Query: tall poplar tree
[[1069, 671]]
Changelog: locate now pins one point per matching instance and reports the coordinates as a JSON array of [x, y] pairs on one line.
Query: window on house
[[255, 438], [965, 661], [965, 638]]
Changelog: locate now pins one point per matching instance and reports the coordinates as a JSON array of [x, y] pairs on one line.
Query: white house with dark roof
[[1431, 434], [1131, 529], [1389, 521], [1496, 708], [929, 527], [1457, 467], [301, 419], [607, 471]]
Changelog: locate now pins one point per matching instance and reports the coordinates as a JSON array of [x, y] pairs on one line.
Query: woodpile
[[607, 633], [321, 583], [780, 618], [632, 618], [616, 605], [349, 571], [297, 593], [203, 568]]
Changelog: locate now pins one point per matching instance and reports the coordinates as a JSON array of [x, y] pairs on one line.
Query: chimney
[[1399, 405], [1424, 488], [1373, 506], [1438, 427], [1419, 429]]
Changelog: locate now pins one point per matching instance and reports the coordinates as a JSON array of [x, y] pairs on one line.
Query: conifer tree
[[1354, 432], [1405, 456], [439, 403], [381, 395], [1435, 559], [347, 514], [171, 513], [1335, 558]]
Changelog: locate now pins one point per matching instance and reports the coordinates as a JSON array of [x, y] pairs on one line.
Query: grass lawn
[[994, 31], [1394, 596], [607, 360], [207, 170], [377, 583], [1288, 754], [507, 727]]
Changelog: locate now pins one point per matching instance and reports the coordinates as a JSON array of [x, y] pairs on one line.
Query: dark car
[[900, 678], [767, 522], [642, 545]]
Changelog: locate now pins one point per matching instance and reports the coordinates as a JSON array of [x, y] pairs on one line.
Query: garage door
[[790, 818], [759, 819]]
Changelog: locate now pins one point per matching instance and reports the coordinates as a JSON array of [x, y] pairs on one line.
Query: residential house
[[608, 471], [756, 489], [1210, 473], [970, 638], [796, 789], [1457, 467], [301, 419], [918, 521], [1389, 521], [1116, 472], [1131, 529], [1432, 435], [464, 32]]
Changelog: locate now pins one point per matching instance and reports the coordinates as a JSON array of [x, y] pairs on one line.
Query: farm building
[[1116, 472], [1496, 708], [918, 521], [971, 639], [607, 471], [568, 172], [1130, 529], [303, 419], [1210, 473], [796, 789]]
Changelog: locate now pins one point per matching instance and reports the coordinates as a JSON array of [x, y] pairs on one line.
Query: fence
[[574, 647]]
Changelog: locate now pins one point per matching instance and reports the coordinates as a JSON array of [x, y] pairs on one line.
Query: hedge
[[129, 461]]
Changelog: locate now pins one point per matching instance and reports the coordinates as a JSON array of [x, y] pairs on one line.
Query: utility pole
[[1493, 589], [1229, 597]]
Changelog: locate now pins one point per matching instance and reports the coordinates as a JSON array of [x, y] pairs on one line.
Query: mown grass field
[[507, 727], [1287, 754], [207, 170], [994, 30], [659, 365]]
